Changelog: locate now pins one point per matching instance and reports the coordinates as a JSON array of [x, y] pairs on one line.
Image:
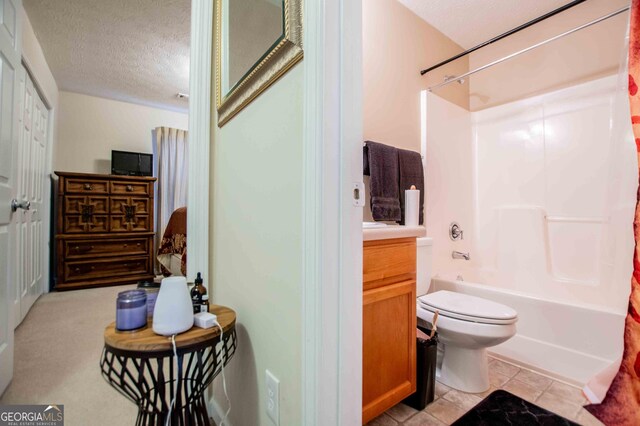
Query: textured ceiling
[[471, 22], [129, 50]]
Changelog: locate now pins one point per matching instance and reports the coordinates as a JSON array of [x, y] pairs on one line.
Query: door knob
[[15, 205]]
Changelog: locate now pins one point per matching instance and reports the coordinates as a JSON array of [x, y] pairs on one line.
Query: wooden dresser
[[104, 230], [389, 324]]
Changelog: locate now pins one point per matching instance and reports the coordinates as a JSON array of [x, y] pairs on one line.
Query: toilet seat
[[467, 308]]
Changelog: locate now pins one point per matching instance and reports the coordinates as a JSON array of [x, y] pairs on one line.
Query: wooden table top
[[147, 341]]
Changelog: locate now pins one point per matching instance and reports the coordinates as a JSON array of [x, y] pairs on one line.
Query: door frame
[[331, 285], [199, 136]]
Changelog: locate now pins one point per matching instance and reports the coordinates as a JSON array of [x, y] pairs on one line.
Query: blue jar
[[131, 310]]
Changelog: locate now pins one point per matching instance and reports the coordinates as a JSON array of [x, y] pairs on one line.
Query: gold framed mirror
[[257, 41]]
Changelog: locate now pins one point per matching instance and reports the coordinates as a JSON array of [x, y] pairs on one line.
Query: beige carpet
[[57, 356]]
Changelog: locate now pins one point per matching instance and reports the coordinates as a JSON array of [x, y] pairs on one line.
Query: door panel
[[9, 103], [31, 242], [35, 165]]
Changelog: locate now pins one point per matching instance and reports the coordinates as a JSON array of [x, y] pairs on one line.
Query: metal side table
[[141, 366]]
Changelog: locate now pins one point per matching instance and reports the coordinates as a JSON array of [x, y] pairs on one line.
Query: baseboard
[[216, 412], [556, 362]]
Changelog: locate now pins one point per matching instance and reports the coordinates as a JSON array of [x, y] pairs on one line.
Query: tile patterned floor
[[451, 404]]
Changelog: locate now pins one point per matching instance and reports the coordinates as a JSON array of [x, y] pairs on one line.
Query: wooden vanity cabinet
[[389, 324]]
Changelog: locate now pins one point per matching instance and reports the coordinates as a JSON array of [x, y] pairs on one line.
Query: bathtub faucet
[[460, 255]]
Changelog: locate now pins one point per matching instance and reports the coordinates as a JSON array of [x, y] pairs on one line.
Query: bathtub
[[569, 342]]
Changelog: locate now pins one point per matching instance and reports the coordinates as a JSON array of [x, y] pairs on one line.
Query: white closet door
[[31, 241]]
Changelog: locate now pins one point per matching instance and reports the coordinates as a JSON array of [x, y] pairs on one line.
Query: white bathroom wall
[[544, 189]]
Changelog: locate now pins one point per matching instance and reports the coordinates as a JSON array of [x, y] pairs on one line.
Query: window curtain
[[171, 154], [621, 405]]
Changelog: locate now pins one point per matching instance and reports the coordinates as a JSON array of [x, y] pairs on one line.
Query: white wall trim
[[312, 216], [332, 226], [199, 137]]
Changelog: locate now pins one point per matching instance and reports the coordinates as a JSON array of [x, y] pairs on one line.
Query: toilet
[[467, 326]]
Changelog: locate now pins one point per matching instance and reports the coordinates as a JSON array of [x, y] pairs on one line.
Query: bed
[[172, 250]]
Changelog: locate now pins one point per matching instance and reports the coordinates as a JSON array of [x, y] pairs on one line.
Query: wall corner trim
[[199, 136]]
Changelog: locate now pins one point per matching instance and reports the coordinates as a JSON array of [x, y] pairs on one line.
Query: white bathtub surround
[[544, 189], [449, 179]]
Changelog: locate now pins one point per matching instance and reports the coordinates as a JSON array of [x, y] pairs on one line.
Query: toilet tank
[[424, 262]]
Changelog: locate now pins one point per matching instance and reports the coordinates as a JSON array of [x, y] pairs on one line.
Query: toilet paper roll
[[411, 207]]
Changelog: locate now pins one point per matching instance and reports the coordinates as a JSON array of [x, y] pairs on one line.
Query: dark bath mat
[[503, 408]]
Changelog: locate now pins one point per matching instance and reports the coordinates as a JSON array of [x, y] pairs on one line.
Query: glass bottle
[[197, 292]]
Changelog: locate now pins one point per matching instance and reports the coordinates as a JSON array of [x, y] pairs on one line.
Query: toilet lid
[[468, 308]]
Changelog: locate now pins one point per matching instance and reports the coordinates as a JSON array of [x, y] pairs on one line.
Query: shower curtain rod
[[503, 35], [520, 52]]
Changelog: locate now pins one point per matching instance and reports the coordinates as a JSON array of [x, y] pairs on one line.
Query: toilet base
[[465, 369]]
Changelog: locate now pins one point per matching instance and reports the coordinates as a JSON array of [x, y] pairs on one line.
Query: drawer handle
[[129, 188], [88, 187], [91, 247], [93, 268], [77, 248], [138, 244], [124, 245], [77, 269]]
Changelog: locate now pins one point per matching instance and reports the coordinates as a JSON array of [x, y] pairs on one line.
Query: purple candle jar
[[131, 310]]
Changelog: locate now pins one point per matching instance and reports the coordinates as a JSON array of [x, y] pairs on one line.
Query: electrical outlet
[[273, 396]]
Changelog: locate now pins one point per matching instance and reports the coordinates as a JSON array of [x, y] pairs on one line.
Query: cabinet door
[[389, 347]]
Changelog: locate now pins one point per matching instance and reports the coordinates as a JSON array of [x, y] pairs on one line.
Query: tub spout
[[460, 255]]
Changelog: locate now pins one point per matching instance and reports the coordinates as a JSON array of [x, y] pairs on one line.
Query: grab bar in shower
[[577, 219]]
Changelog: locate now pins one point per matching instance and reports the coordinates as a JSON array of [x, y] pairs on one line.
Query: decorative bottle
[[197, 292]]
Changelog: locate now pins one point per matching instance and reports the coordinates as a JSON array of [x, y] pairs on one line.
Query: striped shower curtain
[[621, 406]]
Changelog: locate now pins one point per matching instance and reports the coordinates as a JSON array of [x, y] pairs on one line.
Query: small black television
[[131, 163]]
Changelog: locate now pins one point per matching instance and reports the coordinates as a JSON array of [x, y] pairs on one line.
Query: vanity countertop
[[393, 231]]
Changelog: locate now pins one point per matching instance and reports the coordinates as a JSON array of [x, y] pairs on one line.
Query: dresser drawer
[[137, 223], [103, 268], [86, 186], [130, 187], [78, 249], [140, 205], [78, 204], [388, 261], [74, 224]]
